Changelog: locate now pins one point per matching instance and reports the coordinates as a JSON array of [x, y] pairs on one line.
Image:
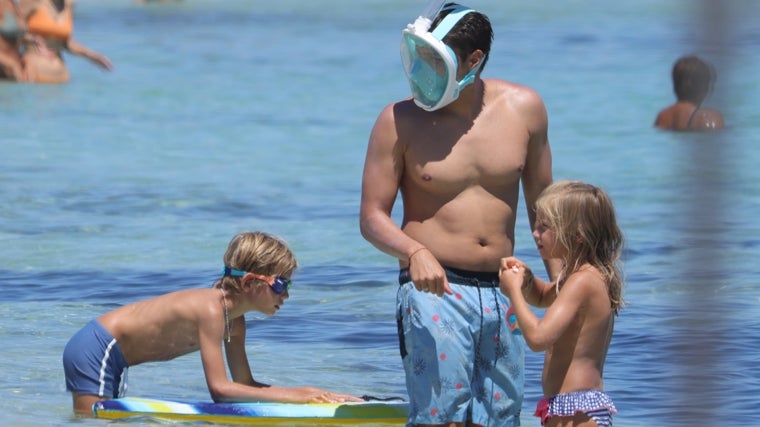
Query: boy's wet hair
[[257, 252]]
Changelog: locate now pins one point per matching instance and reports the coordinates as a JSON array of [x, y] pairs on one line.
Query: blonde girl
[[575, 222]]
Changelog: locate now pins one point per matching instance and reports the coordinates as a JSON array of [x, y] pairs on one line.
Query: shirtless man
[[458, 162], [257, 268], [692, 81]]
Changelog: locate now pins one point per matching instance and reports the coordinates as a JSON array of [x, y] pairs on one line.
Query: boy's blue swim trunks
[[462, 358], [93, 363]]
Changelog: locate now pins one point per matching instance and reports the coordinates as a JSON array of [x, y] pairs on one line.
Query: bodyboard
[[256, 413]]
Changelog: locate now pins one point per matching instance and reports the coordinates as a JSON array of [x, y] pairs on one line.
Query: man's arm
[[383, 171], [537, 173]]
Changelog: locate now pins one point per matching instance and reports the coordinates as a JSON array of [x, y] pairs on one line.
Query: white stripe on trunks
[[103, 364]]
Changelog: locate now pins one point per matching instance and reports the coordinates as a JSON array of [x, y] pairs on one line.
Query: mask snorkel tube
[[424, 21]]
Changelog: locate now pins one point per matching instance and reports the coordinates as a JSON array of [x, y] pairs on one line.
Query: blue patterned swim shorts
[[463, 361]]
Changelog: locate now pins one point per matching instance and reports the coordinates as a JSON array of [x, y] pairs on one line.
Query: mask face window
[[428, 72], [433, 59]]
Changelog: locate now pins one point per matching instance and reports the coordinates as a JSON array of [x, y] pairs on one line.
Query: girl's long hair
[[583, 219]]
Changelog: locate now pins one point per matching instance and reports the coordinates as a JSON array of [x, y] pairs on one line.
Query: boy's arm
[[237, 359], [244, 388]]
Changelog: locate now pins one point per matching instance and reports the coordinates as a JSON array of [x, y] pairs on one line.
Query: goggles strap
[[228, 271]]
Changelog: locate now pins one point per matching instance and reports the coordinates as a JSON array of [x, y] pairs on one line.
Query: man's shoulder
[[403, 105], [404, 109], [514, 93], [508, 86]]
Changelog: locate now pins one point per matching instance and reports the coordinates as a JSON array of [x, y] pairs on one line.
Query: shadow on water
[[697, 354]]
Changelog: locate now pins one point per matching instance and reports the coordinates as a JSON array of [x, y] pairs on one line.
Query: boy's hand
[[315, 395]]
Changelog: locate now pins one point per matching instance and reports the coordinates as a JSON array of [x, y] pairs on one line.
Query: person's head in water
[[692, 79]]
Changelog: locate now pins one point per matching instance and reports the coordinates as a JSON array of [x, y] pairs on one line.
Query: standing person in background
[[12, 30], [692, 81], [458, 152], [576, 223], [51, 24]]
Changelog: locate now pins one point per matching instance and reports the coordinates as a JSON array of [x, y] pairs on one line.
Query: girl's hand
[[514, 276]]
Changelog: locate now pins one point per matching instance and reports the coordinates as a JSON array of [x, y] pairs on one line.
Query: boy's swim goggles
[[277, 283], [431, 65]]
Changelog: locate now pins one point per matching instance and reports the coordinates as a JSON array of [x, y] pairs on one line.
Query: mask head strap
[[448, 22], [457, 13]]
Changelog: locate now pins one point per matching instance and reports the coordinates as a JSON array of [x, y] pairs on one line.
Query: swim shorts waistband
[[480, 279]]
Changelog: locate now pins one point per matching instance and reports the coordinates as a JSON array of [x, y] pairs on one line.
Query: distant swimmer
[[50, 26], [692, 81]]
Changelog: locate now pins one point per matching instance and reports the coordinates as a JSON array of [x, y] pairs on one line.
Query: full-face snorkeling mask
[[431, 65]]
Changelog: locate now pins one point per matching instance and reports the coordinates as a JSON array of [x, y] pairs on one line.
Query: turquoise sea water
[[222, 116]]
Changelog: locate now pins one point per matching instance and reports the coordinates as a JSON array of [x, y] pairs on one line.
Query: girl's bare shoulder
[[586, 279]]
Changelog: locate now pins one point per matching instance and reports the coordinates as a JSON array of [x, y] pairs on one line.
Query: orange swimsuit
[[41, 23]]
